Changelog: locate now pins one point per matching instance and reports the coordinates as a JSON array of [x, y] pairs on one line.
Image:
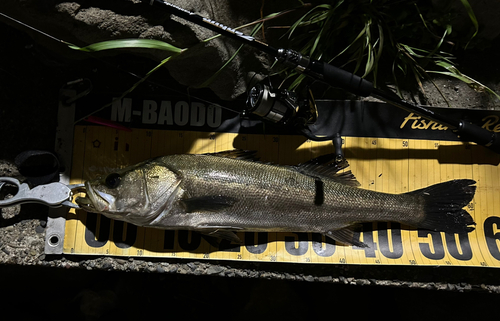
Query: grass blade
[[455, 73], [129, 43], [298, 23], [140, 81], [472, 17]]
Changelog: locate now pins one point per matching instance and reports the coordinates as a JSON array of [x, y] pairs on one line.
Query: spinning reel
[[281, 106], [285, 107]]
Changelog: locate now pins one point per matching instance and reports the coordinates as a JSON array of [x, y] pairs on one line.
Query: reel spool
[[281, 106]]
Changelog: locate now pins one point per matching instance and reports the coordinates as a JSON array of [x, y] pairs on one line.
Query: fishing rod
[[332, 76]]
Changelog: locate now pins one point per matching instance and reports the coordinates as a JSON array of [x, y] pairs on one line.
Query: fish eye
[[113, 180]]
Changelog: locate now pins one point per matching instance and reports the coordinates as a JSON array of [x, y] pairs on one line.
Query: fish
[[218, 194]]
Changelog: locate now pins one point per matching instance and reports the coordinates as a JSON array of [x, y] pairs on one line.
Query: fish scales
[[280, 199], [216, 194]]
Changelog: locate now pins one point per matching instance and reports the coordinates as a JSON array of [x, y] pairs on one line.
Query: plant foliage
[[403, 39]]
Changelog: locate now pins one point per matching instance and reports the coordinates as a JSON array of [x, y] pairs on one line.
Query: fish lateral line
[[209, 203]]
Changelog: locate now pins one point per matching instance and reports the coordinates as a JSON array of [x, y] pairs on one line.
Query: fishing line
[[34, 29]]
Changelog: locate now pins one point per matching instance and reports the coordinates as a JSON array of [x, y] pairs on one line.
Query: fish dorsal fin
[[319, 167], [249, 155], [326, 166]]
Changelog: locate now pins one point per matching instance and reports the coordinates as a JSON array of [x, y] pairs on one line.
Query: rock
[[327, 278], [362, 282], [172, 268], [182, 270], [43, 223], [309, 278], [241, 274], [214, 269]]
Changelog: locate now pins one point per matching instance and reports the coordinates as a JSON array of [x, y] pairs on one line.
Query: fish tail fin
[[444, 204]]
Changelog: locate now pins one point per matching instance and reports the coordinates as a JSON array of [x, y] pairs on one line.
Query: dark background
[[36, 293]]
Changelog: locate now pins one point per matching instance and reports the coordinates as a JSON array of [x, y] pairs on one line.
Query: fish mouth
[[85, 203], [95, 201]]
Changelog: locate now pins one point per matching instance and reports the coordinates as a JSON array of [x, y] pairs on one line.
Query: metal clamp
[[52, 195]]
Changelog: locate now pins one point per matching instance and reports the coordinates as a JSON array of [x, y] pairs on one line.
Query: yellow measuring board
[[381, 164]]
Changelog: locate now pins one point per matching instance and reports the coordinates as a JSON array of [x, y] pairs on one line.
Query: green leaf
[[301, 19], [371, 54], [297, 82], [361, 33], [128, 91], [446, 32], [455, 73], [472, 17], [129, 43], [413, 51], [264, 19], [258, 24], [316, 41]]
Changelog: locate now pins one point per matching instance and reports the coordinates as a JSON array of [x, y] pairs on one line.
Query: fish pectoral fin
[[209, 203], [225, 235], [222, 233], [346, 235]]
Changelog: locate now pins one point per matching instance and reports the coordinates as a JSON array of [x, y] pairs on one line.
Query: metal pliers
[[53, 194]]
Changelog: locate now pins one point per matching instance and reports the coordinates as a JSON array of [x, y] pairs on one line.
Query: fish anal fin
[[209, 203], [346, 235]]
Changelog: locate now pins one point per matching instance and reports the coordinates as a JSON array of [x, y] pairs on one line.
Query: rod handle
[[325, 73], [337, 77], [471, 132]]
